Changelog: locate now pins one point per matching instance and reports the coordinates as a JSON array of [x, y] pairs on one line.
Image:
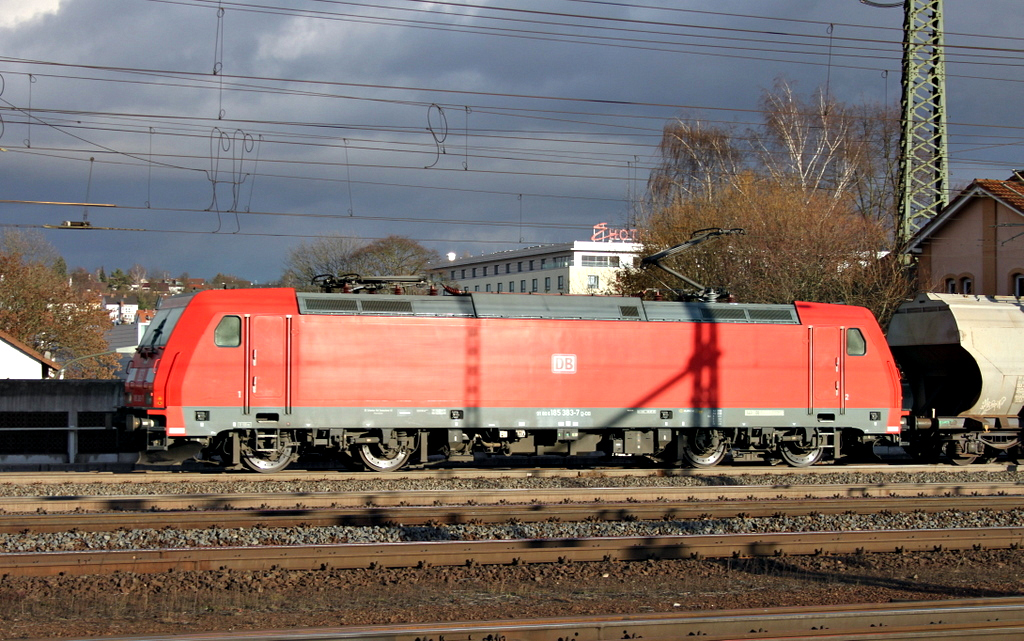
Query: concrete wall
[[59, 413]]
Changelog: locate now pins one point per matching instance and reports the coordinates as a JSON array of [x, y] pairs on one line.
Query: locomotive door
[[826, 375], [268, 365]]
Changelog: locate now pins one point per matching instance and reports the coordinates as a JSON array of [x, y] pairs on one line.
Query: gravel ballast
[[127, 604]]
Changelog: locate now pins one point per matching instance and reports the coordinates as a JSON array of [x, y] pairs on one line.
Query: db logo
[[563, 363]]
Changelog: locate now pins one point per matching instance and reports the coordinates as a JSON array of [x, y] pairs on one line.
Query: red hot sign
[[604, 234]]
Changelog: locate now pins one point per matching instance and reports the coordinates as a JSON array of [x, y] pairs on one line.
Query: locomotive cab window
[[160, 329], [855, 343], [228, 332]]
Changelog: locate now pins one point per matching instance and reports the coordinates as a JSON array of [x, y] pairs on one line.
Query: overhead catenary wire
[[592, 118]]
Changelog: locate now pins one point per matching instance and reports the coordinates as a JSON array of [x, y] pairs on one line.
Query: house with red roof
[[976, 244]]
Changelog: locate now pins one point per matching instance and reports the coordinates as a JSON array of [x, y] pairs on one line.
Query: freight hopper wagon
[[963, 361], [257, 377]]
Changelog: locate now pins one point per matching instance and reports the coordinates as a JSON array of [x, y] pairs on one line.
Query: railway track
[[436, 508], [725, 474], [959, 620], [534, 496], [100, 514], [505, 552]]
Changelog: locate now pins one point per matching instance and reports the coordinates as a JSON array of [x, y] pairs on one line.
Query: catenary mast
[[923, 189]]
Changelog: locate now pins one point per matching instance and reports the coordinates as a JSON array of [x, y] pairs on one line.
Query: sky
[[207, 136]]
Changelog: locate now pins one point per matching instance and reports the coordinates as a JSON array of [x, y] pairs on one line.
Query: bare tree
[[696, 159], [808, 141], [324, 255], [339, 255], [818, 144], [29, 244], [137, 274], [393, 256], [877, 166]]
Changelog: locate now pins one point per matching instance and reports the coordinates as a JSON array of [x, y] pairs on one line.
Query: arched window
[[950, 286], [1018, 285], [966, 285]]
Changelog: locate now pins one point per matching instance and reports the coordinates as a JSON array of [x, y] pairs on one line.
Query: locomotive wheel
[[382, 459], [704, 448], [268, 462], [796, 456]]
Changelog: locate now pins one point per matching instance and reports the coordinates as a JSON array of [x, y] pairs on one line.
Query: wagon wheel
[[955, 452], [383, 459], [796, 455], [268, 462], [704, 448]]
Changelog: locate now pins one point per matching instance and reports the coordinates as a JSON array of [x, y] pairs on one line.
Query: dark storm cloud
[[371, 122]]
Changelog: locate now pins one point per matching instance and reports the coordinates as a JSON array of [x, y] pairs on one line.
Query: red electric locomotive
[[257, 377]]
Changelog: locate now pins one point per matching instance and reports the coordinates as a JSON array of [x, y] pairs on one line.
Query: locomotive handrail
[[119, 350]]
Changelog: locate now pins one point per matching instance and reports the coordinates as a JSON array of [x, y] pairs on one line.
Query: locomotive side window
[[855, 343], [228, 332]]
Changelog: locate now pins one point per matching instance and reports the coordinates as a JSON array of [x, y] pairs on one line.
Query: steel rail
[[504, 552], [967, 619], [490, 514], [458, 472], [398, 498]]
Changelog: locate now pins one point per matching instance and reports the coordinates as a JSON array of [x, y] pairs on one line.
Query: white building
[[121, 309], [580, 267], [18, 360]]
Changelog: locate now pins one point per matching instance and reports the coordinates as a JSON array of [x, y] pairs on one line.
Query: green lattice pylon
[[924, 169]]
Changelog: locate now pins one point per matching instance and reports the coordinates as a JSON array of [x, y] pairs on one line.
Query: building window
[[453, 274], [487, 288], [543, 263], [534, 284], [950, 285], [600, 261], [511, 286], [519, 265], [966, 286], [474, 272], [1018, 285], [547, 284], [463, 273], [522, 286], [500, 285], [561, 283], [476, 289], [508, 268], [593, 281], [531, 265]]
